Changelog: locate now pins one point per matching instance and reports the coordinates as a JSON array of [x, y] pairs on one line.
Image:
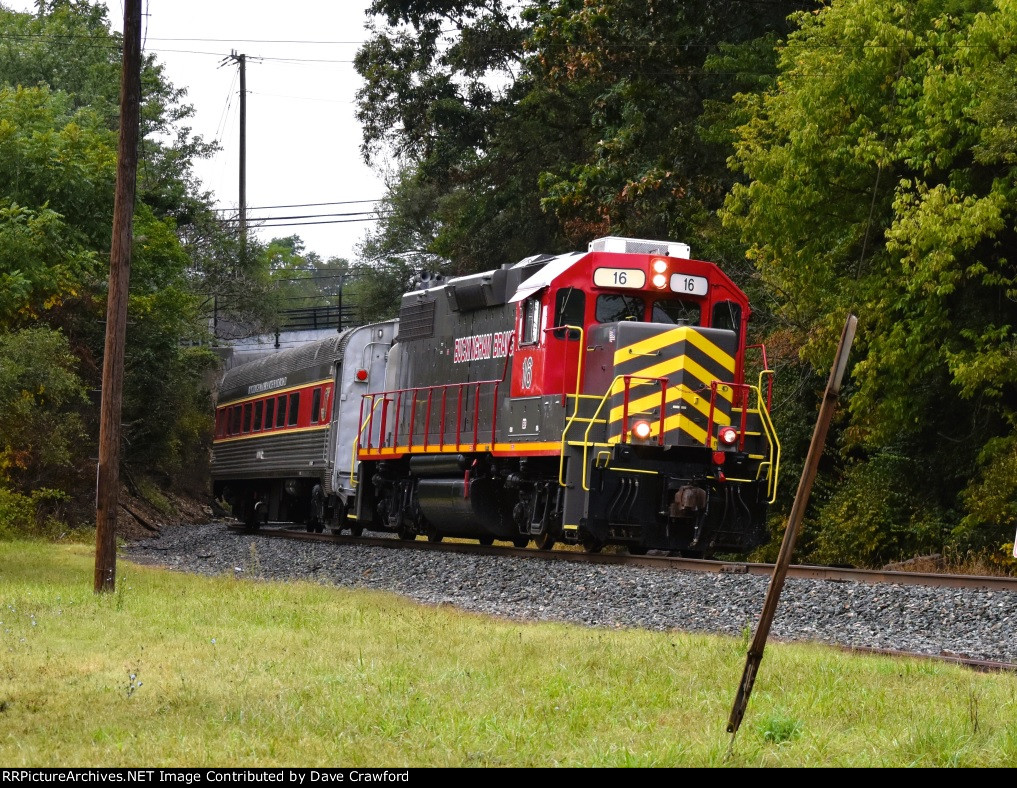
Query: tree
[[878, 178], [59, 86], [517, 134], [40, 424]]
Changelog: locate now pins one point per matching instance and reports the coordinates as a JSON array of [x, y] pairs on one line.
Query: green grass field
[[174, 670]]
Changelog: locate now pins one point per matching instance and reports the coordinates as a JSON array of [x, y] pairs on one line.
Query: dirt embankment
[[141, 518]]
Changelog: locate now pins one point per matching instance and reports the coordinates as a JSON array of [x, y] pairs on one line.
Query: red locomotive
[[592, 398]]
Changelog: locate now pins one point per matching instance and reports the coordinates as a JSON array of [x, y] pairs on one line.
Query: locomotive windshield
[[614, 307], [681, 313], [569, 309]]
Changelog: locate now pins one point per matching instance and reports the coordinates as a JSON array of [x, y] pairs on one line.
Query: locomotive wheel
[[543, 542], [356, 530], [435, 537], [591, 545], [487, 541], [406, 535], [520, 541], [637, 549]]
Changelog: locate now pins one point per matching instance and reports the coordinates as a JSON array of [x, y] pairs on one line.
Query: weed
[[133, 682], [255, 561], [780, 729]]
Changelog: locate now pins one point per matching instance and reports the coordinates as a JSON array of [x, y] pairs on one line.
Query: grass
[[174, 670]]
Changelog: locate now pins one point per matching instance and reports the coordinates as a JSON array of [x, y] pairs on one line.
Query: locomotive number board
[[619, 277], [692, 285]]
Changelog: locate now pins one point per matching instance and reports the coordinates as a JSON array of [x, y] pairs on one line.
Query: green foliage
[[36, 515], [68, 47], [59, 111], [878, 178], [878, 513], [990, 500], [40, 426], [55, 209]]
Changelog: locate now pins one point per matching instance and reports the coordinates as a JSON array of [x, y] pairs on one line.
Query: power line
[[310, 216], [299, 205], [329, 221]]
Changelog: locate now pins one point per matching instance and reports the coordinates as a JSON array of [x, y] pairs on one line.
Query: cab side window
[[569, 310], [531, 321]]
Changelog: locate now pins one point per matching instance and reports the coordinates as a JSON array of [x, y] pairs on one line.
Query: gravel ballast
[[975, 624]]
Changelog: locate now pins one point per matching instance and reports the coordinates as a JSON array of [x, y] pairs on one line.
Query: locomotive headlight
[[641, 429], [728, 435], [659, 266], [659, 281]]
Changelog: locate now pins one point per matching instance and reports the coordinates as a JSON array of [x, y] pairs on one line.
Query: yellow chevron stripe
[[671, 423], [700, 403], [668, 367], [655, 343], [726, 360], [650, 344]]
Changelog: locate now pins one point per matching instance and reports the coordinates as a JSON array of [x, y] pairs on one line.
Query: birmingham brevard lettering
[[480, 347]]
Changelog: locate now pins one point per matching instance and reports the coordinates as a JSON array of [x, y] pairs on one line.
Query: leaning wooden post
[[755, 654]]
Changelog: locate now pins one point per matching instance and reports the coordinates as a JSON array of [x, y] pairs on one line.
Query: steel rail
[[799, 571]]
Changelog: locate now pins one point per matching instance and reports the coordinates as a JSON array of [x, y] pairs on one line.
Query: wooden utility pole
[[241, 61], [107, 494], [755, 655]]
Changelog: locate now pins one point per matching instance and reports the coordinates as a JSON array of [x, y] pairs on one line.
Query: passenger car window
[[315, 405]]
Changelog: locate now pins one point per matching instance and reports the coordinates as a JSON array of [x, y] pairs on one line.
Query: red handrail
[[627, 379]]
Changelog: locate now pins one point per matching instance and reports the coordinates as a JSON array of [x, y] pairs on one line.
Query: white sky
[[303, 140]]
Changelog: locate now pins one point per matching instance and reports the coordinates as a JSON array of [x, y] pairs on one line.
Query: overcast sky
[[303, 140]]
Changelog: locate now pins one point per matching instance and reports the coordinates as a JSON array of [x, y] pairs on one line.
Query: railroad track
[[666, 562]]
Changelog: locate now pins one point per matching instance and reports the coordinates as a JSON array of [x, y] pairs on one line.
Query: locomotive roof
[[552, 269]]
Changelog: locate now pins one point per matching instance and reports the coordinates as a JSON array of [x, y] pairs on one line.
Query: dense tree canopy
[[59, 106], [880, 180], [518, 133]]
